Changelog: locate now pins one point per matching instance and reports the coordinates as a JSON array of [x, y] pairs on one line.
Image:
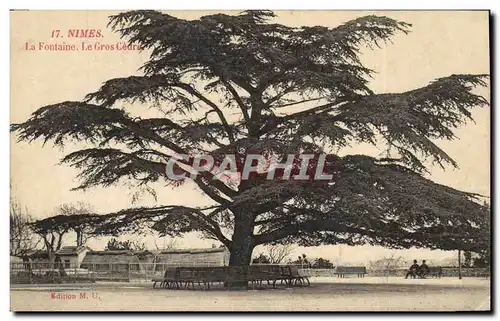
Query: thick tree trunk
[[241, 248], [242, 244], [52, 258], [241, 252], [240, 256]]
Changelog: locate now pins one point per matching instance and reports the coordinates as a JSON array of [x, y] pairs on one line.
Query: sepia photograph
[[250, 160]]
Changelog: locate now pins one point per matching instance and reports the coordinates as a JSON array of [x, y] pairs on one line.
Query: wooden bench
[[190, 276], [275, 274], [342, 271], [216, 275], [187, 277], [257, 274], [435, 271], [169, 279], [295, 277]]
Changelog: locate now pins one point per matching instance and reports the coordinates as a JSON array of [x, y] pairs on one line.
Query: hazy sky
[[440, 44]]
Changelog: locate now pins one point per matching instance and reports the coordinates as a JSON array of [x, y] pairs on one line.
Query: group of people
[[418, 270]]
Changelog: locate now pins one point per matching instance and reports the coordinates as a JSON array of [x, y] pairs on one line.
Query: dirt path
[[373, 294]]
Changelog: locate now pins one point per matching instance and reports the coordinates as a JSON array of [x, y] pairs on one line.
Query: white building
[[72, 256]]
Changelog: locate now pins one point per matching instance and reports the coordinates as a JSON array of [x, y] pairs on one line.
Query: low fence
[[446, 272], [89, 272], [21, 273], [466, 272]]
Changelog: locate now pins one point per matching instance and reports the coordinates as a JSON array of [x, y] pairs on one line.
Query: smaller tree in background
[[388, 263], [261, 259], [482, 260], [321, 263], [69, 218], [51, 233], [22, 239], [84, 227], [167, 244], [279, 253], [116, 245]]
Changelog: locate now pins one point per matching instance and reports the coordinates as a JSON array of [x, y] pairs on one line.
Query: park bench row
[[256, 275], [342, 271]]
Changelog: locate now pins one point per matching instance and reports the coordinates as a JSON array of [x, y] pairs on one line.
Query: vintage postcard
[[250, 161]]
